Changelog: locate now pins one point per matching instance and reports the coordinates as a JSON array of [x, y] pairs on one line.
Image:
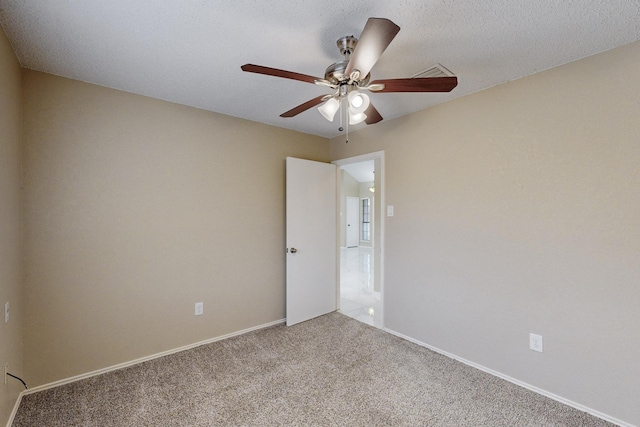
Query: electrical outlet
[[6, 369], [6, 312], [535, 342], [199, 308]]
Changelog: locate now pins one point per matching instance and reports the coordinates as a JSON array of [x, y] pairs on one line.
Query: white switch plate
[[535, 342], [390, 210], [199, 308], [6, 312]]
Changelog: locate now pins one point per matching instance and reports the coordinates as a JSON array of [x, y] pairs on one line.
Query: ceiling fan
[[349, 77]]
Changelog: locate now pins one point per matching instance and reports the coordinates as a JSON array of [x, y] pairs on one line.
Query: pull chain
[[346, 118], [340, 114]]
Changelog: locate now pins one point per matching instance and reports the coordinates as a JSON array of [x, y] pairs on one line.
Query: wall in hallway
[[349, 187], [365, 193]]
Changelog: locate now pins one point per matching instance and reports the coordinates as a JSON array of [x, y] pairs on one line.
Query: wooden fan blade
[[259, 69], [424, 84], [372, 115], [375, 38], [303, 107]]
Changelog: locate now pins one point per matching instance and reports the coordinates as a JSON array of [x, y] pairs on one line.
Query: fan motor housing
[[335, 72]]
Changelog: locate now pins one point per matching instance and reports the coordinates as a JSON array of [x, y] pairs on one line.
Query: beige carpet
[[330, 371]]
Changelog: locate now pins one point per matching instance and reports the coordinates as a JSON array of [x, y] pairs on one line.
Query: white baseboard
[[516, 382], [131, 363], [15, 409]]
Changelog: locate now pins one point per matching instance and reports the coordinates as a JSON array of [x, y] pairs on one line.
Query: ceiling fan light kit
[[329, 109], [349, 77], [358, 102], [354, 119]]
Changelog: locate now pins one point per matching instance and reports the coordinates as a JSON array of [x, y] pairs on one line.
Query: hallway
[[357, 296]]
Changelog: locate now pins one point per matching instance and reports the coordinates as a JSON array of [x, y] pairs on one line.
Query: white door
[[353, 221], [311, 239]]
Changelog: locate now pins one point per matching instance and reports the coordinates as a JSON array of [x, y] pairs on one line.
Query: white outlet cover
[[390, 210], [535, 342], [6, 312], [199, 308]]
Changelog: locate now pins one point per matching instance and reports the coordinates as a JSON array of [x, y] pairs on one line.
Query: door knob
[[294, 250]]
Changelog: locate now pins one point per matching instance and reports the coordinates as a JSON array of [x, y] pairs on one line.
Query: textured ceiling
[[190, 51]]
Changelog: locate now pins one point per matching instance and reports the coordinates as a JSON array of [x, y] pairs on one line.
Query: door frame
[[378, 250]]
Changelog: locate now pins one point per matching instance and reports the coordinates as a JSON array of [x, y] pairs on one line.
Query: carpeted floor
[[330, 371]]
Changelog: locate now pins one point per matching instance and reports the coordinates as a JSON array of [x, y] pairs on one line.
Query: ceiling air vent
[[437, 70]]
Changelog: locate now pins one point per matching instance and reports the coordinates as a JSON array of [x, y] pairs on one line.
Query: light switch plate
[[6, 312], [390, 210], [199, 308], [535, 342]]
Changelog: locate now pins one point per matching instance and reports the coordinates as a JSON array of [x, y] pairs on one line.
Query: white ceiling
[[190, 51]]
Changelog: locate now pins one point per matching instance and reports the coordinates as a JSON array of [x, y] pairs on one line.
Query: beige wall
[[135, 209], [517, 210], [10, 258]]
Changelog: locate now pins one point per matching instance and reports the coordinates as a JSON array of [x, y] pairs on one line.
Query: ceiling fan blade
[[372, 115], [259, 69], [424, 84], [303, 107], [375, 38]]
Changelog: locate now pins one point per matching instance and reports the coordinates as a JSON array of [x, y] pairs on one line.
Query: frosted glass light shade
[[358, 102], [356, 118], [329, 109]]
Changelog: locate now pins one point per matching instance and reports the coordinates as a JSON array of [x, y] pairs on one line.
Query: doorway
[[360, 293]]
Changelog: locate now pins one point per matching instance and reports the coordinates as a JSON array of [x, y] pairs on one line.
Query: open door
[[311, 239]]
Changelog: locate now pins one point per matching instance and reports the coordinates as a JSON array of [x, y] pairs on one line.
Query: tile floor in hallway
[[357, 297]]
